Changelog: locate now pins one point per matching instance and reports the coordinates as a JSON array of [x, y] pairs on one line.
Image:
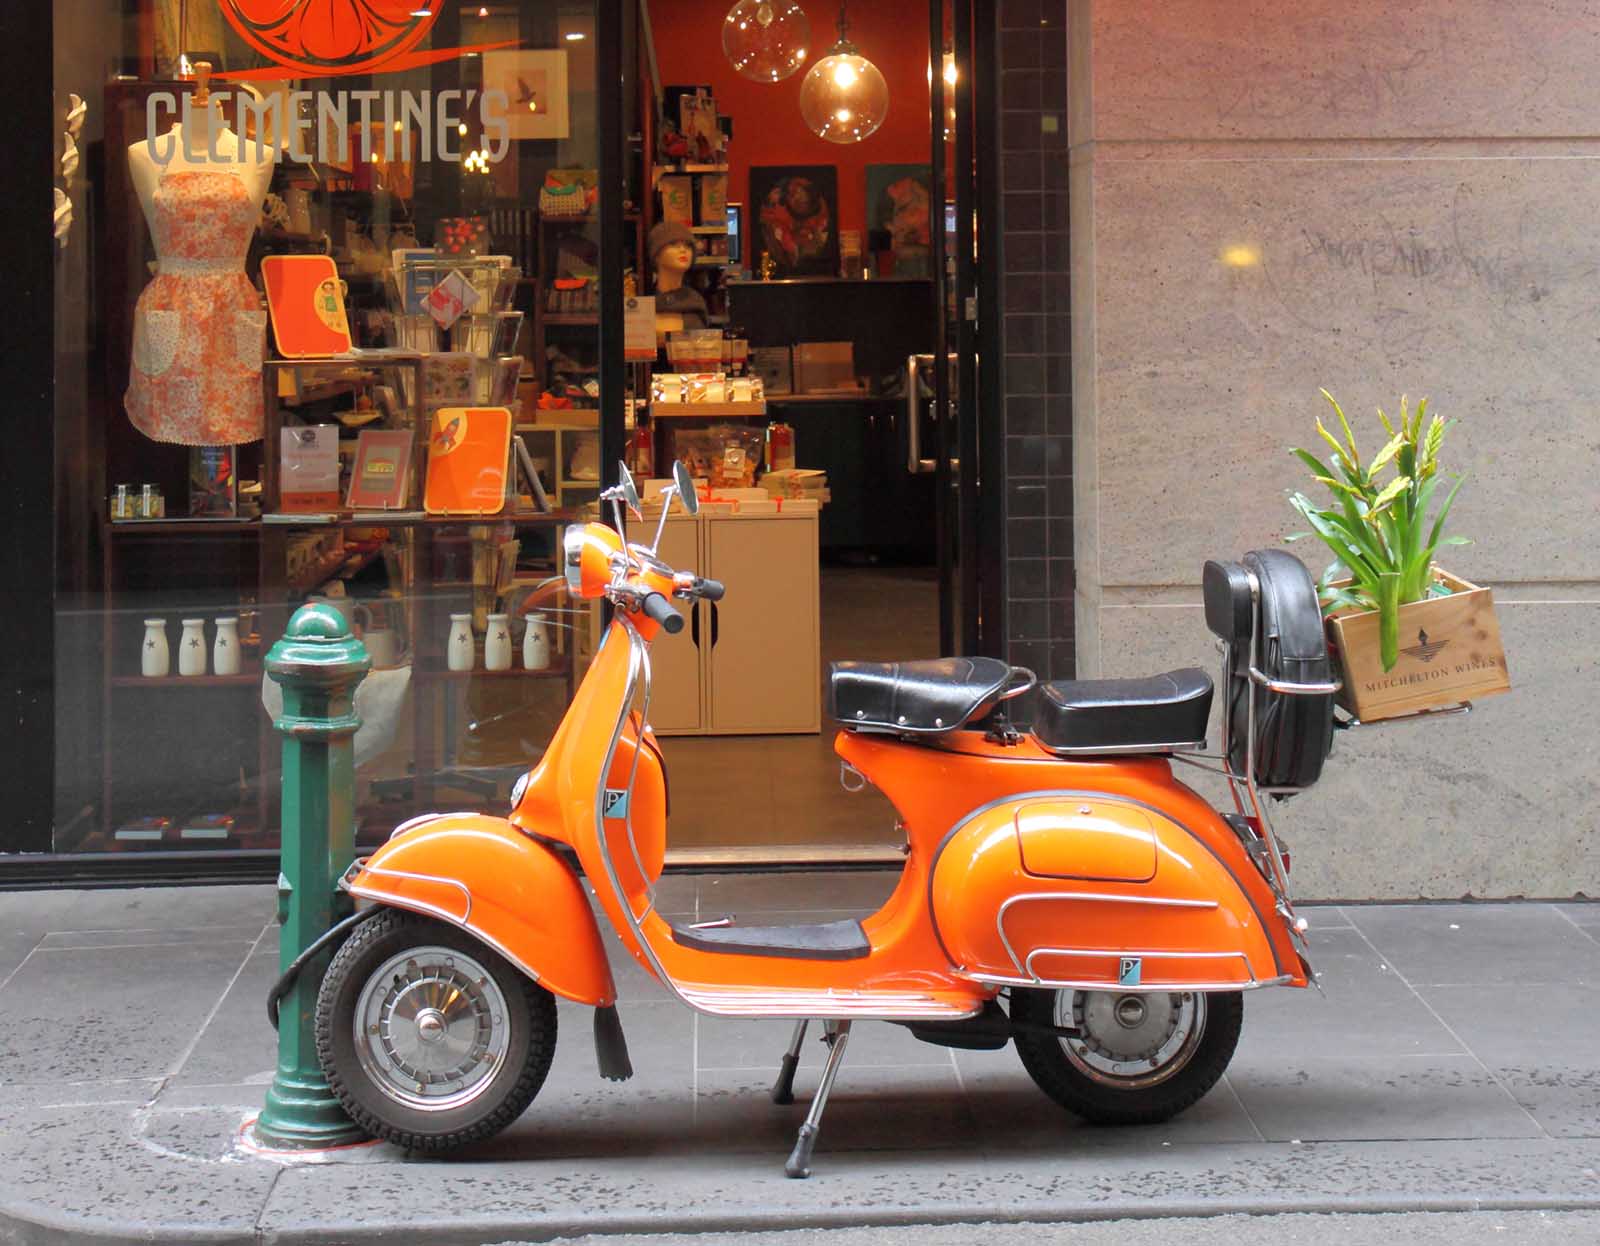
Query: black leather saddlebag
[[1294, 733]]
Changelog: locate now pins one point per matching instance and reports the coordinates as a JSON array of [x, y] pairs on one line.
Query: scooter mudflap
[[783, 1088], [611, 1046]]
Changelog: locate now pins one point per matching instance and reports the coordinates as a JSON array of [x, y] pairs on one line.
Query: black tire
[[1103, 1098], [524, 1047]]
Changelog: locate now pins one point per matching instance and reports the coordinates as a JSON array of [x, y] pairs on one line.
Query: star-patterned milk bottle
[[155, 661], [225, 649], [497, 644], [192, 648], [459, 652]]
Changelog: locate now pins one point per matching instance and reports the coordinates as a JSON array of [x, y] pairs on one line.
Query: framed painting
[[796, 213], [899, 208], [535, 84]]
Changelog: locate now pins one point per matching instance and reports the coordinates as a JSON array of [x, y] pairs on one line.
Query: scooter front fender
[[515, 894]]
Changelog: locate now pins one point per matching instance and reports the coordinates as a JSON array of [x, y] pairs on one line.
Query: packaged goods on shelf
[[725, 455], [802, 483]]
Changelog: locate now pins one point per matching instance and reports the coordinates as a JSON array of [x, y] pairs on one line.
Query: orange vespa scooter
[[1062, 889]]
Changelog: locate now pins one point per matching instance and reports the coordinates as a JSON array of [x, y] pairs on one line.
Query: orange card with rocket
[[469, 451], [306, 300]]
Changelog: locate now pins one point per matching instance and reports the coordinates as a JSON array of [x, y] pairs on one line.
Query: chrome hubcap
[[430, 1028], [1130, 1041]]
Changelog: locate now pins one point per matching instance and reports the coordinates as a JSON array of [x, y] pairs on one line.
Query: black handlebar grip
[[711, 590], [657, 607]]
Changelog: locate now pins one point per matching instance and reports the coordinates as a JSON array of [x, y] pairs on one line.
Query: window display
[[291, 362]]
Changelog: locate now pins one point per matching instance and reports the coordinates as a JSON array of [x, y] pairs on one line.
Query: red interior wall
[[766, 116]]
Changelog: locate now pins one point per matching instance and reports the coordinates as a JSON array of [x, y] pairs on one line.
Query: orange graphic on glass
[[323, 37]]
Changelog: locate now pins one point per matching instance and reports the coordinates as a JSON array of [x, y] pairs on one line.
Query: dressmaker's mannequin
[[208, 130], [200, 329]]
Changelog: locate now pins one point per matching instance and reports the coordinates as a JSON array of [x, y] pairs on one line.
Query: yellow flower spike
[[1354, 456]]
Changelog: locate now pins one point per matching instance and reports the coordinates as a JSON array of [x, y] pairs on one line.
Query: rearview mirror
[[685, 483], [630, 491]]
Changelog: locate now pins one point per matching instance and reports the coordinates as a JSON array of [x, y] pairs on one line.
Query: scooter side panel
[[1090, 922], [519, 897]]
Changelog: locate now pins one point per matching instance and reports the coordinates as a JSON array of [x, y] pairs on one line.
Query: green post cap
[[318, 647]]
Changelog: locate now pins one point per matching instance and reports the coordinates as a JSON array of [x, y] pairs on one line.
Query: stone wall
[[1377, 197]]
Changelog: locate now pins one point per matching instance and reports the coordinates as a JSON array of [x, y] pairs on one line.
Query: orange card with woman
[[469, 452], [306, 299]]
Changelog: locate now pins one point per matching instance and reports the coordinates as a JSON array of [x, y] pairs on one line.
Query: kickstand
[[836, 1034], [783, 1088]]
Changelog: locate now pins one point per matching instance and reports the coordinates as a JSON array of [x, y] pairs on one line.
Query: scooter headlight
[[587, 553], [572, 549]]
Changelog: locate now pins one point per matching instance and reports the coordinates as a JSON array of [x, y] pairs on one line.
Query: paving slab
[[1539, 1043], [1358, 989], [1584, 916], [137, 908], [79, 1014], [15, 947], [1479, 944], [238, 1045]]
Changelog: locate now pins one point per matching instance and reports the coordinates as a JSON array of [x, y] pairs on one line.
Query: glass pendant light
[[766, 39], [844, 98]]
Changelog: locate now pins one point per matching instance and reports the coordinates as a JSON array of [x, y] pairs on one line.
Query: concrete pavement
[[1452, 1066]]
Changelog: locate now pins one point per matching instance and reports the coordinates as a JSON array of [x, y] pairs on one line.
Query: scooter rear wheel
[[1134, 1059], [430, 1039]]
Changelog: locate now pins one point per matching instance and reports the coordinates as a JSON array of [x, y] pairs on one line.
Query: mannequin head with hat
[[671, 248], [671, 255]]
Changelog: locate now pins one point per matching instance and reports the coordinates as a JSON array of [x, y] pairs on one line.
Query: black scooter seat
[[1161, 714], [914, 698], [820, 941]]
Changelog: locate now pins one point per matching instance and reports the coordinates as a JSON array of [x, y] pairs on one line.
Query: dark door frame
[[971, 535], [27, 468]]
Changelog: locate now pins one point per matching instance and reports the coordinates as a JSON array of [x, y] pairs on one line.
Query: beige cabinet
[[751, 663], [676, 705]]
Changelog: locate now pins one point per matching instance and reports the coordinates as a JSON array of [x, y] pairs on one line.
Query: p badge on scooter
[[1129, 970], [615, 804]]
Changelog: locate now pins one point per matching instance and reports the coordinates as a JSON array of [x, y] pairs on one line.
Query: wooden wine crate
[[1450, 652]]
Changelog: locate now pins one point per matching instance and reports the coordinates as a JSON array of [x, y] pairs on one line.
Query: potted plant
[[1384, 587]]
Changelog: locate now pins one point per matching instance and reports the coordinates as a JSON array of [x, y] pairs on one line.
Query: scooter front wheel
[[430, 1039], [1128, 1059]]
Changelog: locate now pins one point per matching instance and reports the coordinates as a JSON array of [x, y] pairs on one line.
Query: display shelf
[[245, 679], [702, 410], [710, 230], [414, 520], [572, 319], [516, 672], [179, 527]]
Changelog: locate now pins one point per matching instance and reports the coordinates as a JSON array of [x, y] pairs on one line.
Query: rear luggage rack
[[1245, 788]]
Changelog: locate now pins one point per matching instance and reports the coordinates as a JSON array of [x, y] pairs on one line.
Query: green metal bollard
[[319, 665]]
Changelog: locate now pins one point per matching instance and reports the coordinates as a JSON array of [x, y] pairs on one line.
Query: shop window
[[286, 283]]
